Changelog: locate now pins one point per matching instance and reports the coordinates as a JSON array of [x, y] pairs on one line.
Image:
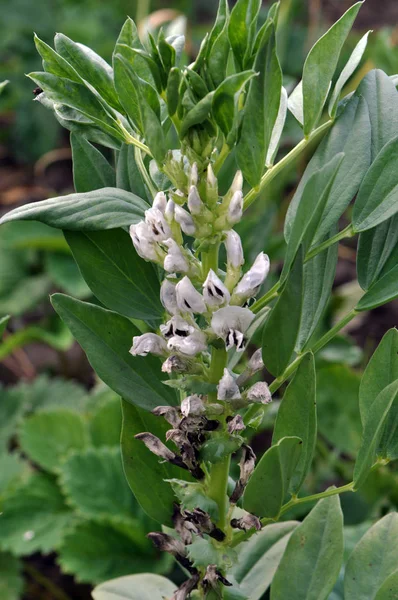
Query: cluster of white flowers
[[198, 318]]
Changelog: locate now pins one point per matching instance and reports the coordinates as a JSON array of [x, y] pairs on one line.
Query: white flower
[[160, 202], [254, 277], [176, 326], [157, 224], [191, 345], [175, 261], [148, 342], [188, 298], [143, 241], [168, 296], [227, 388], [214, 291], [230, 324], [169, 211], [237, 183], [184, 219], [192, 406], [233, 246], [259, 392], [256, 362], [211, 178], [195, 204], [235, 208]]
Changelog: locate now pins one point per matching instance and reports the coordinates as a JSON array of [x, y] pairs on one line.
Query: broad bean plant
[[179, 310]]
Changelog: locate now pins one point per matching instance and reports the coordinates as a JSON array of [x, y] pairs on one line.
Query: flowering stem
[[271, 173], [263, 301], [210, 260], [143, 171]]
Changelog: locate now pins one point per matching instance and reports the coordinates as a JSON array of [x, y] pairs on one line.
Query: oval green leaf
[[145, 586]]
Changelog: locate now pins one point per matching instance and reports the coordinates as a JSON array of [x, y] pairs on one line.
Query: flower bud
[[185, 220], [169, 211], [259, 393], [188, 298], [211, 187], [235, 209], [168, 296], [233, 246], [148, 343], [227, 388], [237, 184], [157, 224], [179, 197], [175, 261], [160, 202], [192, 406], [143, 242], [176, 326], [195, 203], [194, 176], [251, 281], [256, 362], [190, 346], [214, 291]]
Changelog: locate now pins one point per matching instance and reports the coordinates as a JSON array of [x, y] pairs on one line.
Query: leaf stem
[[271, 173], [349, 487], [144, 172], [55, 592], [130, 139], [268, 296], [348, 232]]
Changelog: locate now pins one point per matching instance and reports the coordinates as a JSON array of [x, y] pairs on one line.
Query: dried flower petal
[[259, 393], [192, 405], [227, 388], [247, 522], [169, 413]]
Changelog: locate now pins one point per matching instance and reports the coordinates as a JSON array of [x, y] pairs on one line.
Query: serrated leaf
[[356, 161], [48, 437], [373, 429], [91, 170], [95, 552], [135, 587], [270, 481], [320, 66], [297, 417], [313, 557], [373, 560], [13, 471], [10, 414], [380, 292], [282, 326], [116, 275], [377, 198], [45, 393], [11, 580], [351, 65], [191, 495], [106, 424], [108, 208], [35, 518], [145, 473], [258, 559], [106, 338]]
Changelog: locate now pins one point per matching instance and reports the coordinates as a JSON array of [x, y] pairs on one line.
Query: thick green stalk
[[271, 173]]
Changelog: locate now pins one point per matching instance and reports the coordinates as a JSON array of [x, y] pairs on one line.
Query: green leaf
[[127, 88], [106, 424], [135, 587], [338, 413], [381, 370], [373, 560], [356, 149], [270, 481], [309, 211], [108, 208], [95, 552], [13, 471], [173, 95], [389, 589], [32, 235], [48, 437], [90, 66], [145, 472], [258, 559], [191, 495], [128, 175], [282, 326], [35, 518], [11, 580], [377, 198], [320, 66], [226, 103], [373, 430], [3, 324], [380, 292], [242, 29], [297, 417], [114, 272], [65, 274], [218, 54], [106, 337], [381, 97], [351, 65], [44, 394], [313, 557], [261, 110], [91, 170], [377, 252], [99, 471], [199, 113], [10, 414], [54, 63]]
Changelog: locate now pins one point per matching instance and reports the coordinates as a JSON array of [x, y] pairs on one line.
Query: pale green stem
[[225, 150], [130, 139], [272, 172], [144, 172], [268, 296], [348, 232]]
